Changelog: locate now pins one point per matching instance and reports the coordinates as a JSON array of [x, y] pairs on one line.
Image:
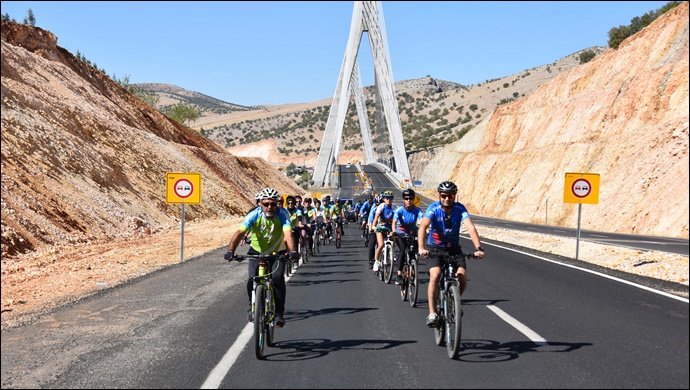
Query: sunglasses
[[445, 196], [269, 204], [388, 197], [408, 198]]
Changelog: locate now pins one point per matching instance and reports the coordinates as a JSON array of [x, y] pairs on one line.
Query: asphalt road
[[528, 323]]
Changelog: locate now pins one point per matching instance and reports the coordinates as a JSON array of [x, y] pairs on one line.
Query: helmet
[[290, 198], [408, 192], [298, 198], [387, 193], [448, 186], [378, 199], [307, 200], [268, 193]]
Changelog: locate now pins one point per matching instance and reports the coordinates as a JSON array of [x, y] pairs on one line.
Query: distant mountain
[[171, 95]]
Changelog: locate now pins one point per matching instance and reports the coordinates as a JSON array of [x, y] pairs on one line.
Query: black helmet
[[448, 187], [408, 192]]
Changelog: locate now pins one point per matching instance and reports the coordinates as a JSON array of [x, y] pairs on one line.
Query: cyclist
[[383, 220], [271, 231], [319, 217], [309, 218], [337, 214], [405, 220], [327, 210], [369, 220], [364, 213], [295, 217], [443, 219]]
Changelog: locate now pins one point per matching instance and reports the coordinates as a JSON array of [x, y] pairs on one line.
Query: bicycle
[[410, 285], [318, 237], [385, 273], [448, 304], [263, 306], [338, 223], [302, 248]]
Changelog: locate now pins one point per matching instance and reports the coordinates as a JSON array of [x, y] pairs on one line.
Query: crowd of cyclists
[[271, 229]]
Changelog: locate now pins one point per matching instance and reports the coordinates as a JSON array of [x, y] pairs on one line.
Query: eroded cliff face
[[84, 160], [624, 115]]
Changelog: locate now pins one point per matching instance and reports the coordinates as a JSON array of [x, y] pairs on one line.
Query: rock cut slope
[[84, 160], [623, 115]]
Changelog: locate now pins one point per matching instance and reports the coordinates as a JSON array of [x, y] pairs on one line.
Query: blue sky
[[254, 52]]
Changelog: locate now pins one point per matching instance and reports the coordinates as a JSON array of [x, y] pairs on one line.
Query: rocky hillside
[[623, 115], [83, 160], [433, 112], [170, 95]]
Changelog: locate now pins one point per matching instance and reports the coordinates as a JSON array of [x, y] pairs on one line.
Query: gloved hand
[[294, 255], [229, 255]]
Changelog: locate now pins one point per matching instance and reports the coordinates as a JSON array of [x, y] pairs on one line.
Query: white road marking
[[221, 369], [532, 335]]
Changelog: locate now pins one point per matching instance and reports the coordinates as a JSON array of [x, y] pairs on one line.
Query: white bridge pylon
[[367, 16]]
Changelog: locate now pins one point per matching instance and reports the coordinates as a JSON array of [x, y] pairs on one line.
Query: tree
[[182, 113], [30, 19], [586, 56]]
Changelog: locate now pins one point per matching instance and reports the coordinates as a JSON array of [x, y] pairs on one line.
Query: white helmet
[[268, 193]]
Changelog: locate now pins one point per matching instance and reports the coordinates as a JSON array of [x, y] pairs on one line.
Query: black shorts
[[435, 261]]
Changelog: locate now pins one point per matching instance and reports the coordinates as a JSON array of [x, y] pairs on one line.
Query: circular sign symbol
[[581, 188], [183, 188]]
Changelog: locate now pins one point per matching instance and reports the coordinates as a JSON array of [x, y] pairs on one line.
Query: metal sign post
[[580, 188], [183, 188]]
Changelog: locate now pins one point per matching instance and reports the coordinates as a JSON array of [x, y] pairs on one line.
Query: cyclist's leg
[[372, 247], [462, 279], [402, 245], [278, 277], [380, 240], [434, 269]]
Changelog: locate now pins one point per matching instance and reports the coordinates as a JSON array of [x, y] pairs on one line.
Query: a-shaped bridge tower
[[367, 16]]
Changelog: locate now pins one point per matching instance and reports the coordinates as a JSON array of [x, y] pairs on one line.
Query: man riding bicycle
[[383, 220], [271, 230], [405, 220], [443, 219]]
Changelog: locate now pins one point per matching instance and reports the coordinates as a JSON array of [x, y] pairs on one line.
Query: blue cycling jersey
[[407, 220], [444, 230]]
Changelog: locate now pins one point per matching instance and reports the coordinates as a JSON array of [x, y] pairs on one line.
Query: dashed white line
[[532, 335]]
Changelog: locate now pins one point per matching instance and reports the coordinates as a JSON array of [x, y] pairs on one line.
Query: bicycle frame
[[449, 305], [263, 304]]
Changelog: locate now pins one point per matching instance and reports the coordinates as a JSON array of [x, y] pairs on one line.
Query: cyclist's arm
[[472, 231], [421, 236], [235, 240]]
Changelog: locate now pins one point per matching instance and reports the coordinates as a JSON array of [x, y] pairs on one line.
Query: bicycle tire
[[439, 330], [405, 287], [453, 323], [270, 326], [388, 262], [317, 244], [338, 240], [260, 321], [413, 282]]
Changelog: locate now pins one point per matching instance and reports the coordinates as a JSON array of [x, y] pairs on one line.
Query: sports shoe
[[399, 280], [250, 316], [432, 320], [377, 265], [280, 321]]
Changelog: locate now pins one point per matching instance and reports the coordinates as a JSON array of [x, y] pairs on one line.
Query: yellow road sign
[[183, 188], [582, 188]]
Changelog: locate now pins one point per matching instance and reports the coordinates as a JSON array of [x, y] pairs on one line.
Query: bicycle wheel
[[338, 238], [453, 322], [388, 262], [317, 243], [439, 330], [269, 327], [405, 287], [260, 321], [413, 282]]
